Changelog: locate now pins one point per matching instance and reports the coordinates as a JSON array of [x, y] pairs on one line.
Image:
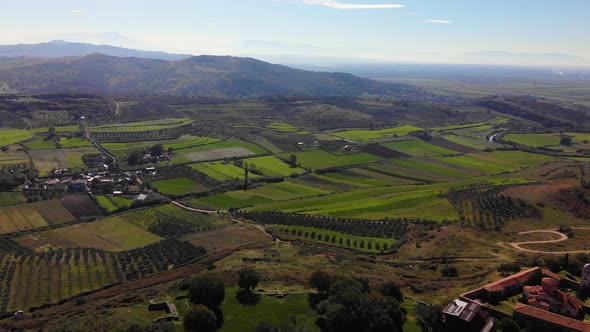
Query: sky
[[377, 30]]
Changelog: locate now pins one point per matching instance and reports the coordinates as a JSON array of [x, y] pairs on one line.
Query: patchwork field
[[10, 136], [47, 160], [110, 234], [114, 203], [13, 157], [21, 217], [143, 125], [222, 171], [262, 194], [320, 159], [184, 142], [272, 166], [363, 136], [218, 151], [178, 186], [536, 140], [418, 148], [373, 203]]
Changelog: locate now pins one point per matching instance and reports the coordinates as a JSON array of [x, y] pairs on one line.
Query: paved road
[[560, 238], [116, 110]]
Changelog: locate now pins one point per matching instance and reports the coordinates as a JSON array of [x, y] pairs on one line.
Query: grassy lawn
[[178, 186], [10, 136], [418, 148], [321, 159], [369, 135], [238, 317], [272, 166]]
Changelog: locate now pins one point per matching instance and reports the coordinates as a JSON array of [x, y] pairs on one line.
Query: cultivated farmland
[[374, 135]]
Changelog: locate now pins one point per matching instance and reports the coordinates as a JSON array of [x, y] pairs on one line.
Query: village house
[[548, 297]]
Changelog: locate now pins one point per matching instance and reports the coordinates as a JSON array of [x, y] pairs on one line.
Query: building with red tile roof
[[535, 319]]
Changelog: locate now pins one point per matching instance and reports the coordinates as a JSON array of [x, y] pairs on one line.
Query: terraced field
[[143, 125]]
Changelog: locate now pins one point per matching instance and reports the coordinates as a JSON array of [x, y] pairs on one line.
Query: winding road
[[561, 237]]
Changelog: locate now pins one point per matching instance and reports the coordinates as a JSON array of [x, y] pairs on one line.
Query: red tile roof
[[520, 277], [547, 316]]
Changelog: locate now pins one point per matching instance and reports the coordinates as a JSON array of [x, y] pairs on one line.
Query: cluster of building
[[544, 307], [101, 182]]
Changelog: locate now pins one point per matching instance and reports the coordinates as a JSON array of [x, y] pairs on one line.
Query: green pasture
[[58, 129], [10, 136], [552, 139], [114, 203], [282, 126], [460, 126], [74, 142], [474, 143], [143, 125], [40, 143], [238, 317], [418, 148], [369, 135], [276, 230], [178, 186], [320, 159]]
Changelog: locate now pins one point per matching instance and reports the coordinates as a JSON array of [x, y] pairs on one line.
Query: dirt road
[[560, 238]]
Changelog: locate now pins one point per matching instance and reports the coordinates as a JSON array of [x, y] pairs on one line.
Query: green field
[[545, 139], [58, 129], [39, 143], [373, 203], [218, 151], [370, 135], [74, 142], [143, 125], [461, 126], [272, 166], [238, 317], [262, 194], [178, 186], [418, 148], [474, 143], [321, 159], [285, 232], [282, 126], [114, 203], [184, 142], [497, 161], [46, 160], [10, 136], [222, 171]]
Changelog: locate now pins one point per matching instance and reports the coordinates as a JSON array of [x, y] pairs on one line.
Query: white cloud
[[411, 13], [340, 5], [439, 21], [79, 11]]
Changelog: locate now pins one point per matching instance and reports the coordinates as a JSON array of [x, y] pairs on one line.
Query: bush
[[248, 279], [450, 271]]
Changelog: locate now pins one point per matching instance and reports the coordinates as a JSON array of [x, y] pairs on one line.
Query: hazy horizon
[[428, 31]]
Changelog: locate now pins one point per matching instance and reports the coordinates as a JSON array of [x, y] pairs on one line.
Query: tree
[[391, 289], [450, 271], [565, 140], [157, 150], [292, 160], [382, 313], [51, 131], [248, 279], [430, 317], [320, 280], [508, 325], [200, 319], [207, 291]]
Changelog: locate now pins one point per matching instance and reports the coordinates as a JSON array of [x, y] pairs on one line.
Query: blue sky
[[396, 30]]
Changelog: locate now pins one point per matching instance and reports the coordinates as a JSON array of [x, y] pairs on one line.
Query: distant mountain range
[[220, 76], [60, 49]]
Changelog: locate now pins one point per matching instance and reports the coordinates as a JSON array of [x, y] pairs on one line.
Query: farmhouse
[[465, 315]]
